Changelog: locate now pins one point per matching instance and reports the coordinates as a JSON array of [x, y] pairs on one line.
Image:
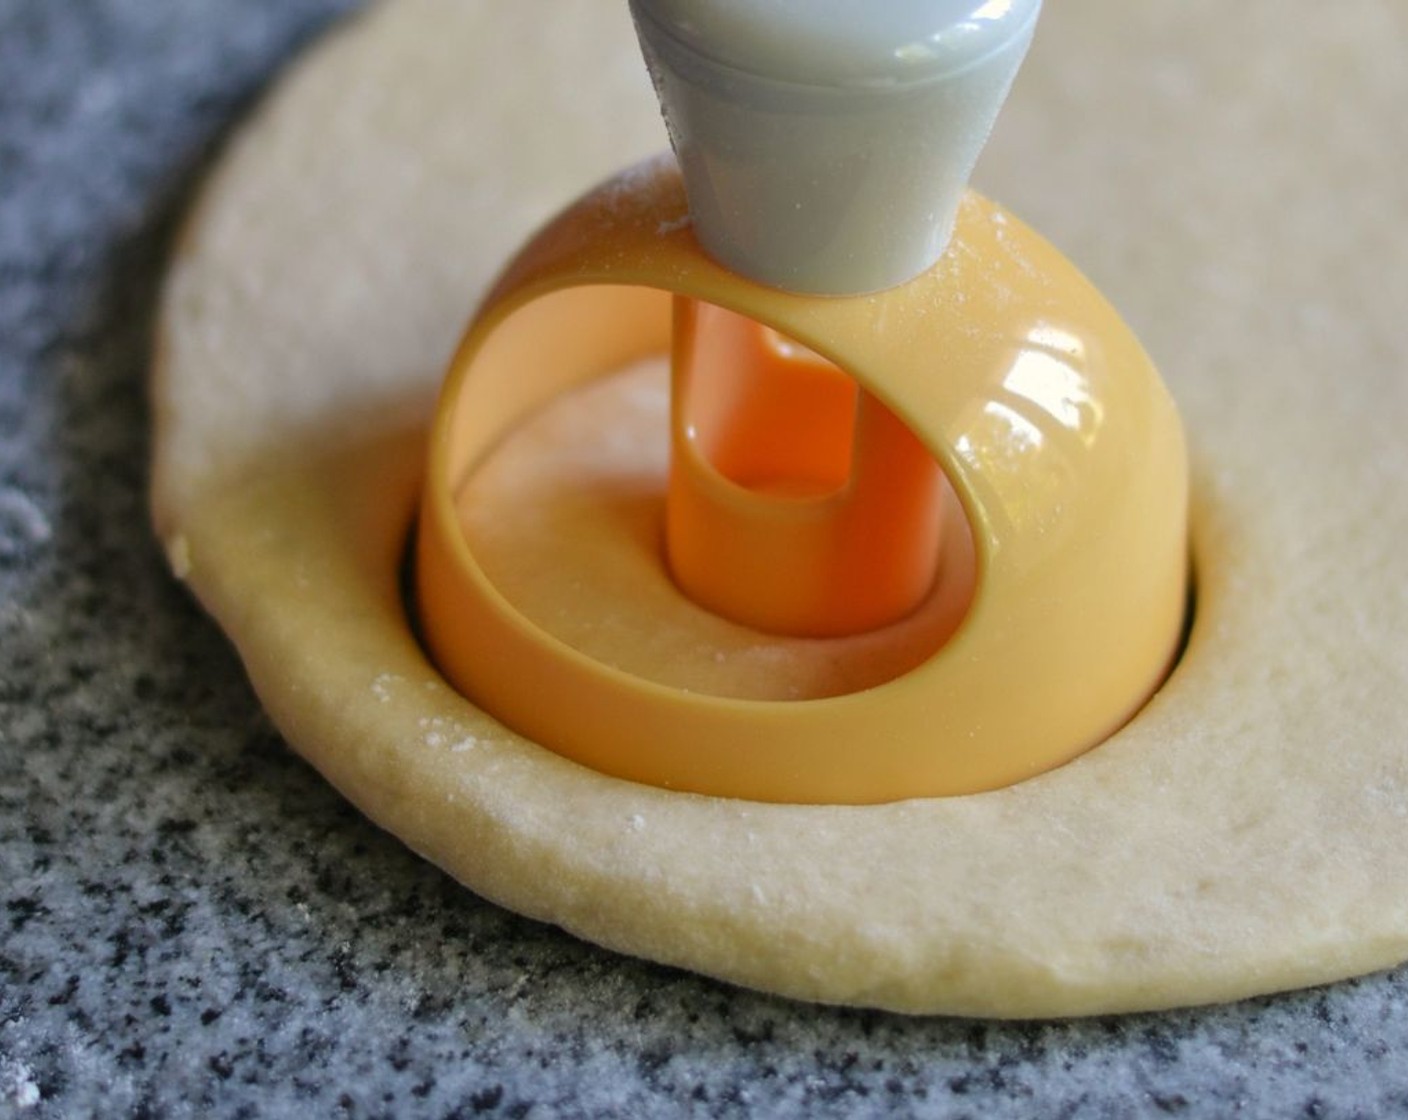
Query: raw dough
[[1248, 832]]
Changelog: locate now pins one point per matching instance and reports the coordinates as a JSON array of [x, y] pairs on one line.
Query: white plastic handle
[[825, 144]]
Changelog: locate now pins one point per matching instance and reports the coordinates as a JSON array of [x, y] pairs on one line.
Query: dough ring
[[1245, 833]]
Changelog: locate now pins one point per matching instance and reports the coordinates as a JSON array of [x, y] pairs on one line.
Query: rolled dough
[[1248, 832]]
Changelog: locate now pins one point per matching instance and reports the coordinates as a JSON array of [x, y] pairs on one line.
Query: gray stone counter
[[194, 924]]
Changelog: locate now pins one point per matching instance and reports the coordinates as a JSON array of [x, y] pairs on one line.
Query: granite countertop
[[194, 923]]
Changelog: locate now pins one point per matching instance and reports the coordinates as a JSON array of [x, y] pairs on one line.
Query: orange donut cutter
[[815, 443]]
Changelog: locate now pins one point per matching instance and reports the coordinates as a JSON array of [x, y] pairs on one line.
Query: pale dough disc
[[1248, 832]]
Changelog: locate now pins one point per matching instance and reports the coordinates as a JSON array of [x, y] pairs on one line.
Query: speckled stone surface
[[194, 924]]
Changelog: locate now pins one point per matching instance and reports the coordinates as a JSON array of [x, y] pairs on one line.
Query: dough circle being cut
[[1247, 832]]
